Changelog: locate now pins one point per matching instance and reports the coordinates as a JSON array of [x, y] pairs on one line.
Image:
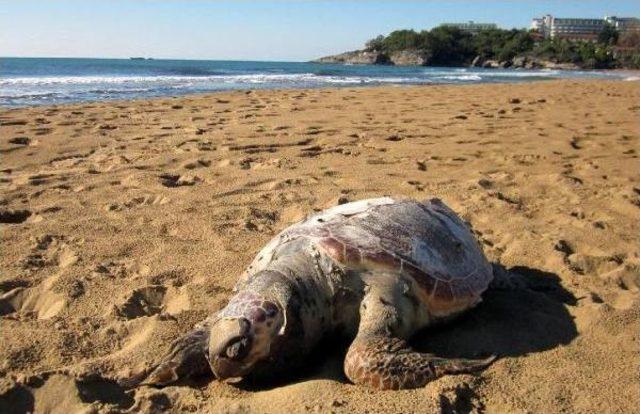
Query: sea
[[46, 81]]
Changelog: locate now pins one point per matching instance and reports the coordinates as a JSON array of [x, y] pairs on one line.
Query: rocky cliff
[[420, 58], [409, 58], [364, 57], [357, 57], [522, 62]]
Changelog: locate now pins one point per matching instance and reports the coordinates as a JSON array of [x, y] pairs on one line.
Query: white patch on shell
[[351, 209], [427, 258]]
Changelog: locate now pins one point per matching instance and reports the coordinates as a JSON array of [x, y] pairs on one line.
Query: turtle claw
[[461, 366], [132, 381], [163, 374], [491, 359]]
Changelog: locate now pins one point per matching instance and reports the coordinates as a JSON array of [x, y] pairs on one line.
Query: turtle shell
[[425, 241]]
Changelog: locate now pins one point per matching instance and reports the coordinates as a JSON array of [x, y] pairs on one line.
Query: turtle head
[[242, 336]]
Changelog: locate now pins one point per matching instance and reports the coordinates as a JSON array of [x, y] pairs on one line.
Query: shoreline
[[124, 223], [631, 74]]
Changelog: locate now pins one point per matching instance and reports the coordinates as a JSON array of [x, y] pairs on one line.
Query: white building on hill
[[581, 29]]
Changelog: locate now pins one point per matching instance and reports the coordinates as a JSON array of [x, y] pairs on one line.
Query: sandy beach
[[125, 223]]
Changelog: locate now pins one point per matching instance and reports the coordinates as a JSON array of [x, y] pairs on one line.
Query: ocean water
[[43, 81]]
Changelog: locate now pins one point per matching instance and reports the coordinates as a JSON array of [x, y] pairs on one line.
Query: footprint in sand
[[36, 179], [175, 277], [106, 127], [51, 250], [22, 141], [417, 185], [199, 163], [175, 180], [152, 300], [141, 201], [330, 173], [633, 196], [282, 184], [121, 269], [272, 147], [14, 216], [273, 163], [592, 264], [67, 161], [485, 183], [245, 163], [317, 150], [621, 269], [42, 131], [145, 301], [39, 300], [626, 277], [260, 220], [576, 143], [511, 199], [13, 122], [195, 145]]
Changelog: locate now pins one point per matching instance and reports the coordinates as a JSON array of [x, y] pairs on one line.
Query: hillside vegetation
[[447, 46]]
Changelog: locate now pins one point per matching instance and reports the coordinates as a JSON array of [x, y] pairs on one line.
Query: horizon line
[[151, 58]]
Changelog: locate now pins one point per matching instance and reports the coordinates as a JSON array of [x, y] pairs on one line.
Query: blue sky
[[248, 30]]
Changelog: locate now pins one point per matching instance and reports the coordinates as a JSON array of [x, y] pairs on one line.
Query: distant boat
[[140, 58]]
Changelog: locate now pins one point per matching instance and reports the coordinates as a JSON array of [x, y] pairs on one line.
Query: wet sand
[[125, 223]]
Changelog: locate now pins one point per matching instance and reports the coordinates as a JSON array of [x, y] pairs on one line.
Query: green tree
[[487, 43], [516, 42], [375, 44], [401, 40], [449, 46]]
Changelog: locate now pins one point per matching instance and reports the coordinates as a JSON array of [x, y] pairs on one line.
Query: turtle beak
[[229, 344]]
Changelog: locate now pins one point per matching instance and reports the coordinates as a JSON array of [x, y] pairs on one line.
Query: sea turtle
[[377, 270]]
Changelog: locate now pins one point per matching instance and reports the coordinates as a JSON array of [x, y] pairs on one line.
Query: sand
[[125, 223]]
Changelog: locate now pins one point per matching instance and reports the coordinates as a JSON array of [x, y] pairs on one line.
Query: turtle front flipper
[[186, 357], [381, 358]]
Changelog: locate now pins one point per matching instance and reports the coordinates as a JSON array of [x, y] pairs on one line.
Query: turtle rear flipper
[[380, 358], [186, 357], [389, 363]]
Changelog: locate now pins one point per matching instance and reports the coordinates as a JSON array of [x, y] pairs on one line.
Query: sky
[[249, 30]]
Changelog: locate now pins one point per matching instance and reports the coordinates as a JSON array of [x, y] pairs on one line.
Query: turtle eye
[[238, 348], [270, 309]]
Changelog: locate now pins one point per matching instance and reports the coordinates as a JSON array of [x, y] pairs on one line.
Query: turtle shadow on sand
[[527, 314]]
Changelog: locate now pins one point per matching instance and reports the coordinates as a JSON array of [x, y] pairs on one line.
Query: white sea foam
[[522, 73], [460, 77], [425, 76], [251, 78]]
